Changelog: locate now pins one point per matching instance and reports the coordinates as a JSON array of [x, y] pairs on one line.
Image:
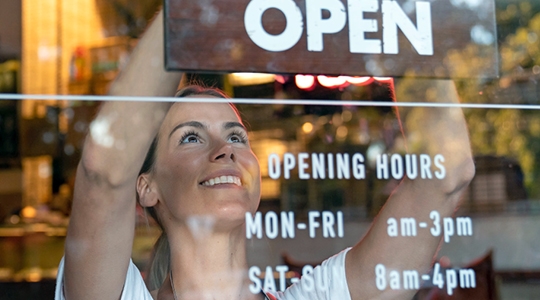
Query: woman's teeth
[[222, 180]]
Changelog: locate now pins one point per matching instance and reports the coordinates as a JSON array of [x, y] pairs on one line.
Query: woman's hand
[[438, 131]]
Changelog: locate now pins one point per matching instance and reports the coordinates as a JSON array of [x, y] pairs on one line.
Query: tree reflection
[[504, 132]]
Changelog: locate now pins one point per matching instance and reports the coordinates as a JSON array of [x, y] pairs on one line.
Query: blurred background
[[77, 47]]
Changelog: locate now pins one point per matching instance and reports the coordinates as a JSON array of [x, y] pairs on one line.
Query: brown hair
[[159, 265]]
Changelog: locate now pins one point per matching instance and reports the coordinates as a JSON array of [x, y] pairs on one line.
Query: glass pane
[[426, 165]]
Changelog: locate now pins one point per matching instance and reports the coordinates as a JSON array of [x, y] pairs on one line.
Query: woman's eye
[[237, 138], [190, 138]]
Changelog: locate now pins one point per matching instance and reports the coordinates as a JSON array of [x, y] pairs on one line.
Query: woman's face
[[204, 164]]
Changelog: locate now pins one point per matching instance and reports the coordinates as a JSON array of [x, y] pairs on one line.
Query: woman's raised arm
[[440, 131], [101, 229]]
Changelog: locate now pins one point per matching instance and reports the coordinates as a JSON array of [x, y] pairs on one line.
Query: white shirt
[[327, 281]]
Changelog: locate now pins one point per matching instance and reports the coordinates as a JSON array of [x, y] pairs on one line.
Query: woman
[[197, 148]]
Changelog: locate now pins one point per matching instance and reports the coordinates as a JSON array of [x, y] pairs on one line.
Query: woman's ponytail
[[159, 263]]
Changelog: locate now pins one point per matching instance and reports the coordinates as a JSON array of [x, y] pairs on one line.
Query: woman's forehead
[[207, 113]]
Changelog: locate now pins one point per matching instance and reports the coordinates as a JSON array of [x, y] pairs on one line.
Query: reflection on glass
[[78, 49]]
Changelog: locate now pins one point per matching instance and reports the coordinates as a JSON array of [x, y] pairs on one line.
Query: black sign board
[[349, 37]]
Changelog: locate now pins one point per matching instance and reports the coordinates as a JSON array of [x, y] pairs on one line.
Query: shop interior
[[60, 47]]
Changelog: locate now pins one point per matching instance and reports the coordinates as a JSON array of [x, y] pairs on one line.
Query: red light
[[360, 80], [280, 79], [332, 82], [384, 79], [305, 82]]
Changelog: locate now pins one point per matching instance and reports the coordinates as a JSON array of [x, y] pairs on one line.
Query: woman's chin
[[231, 216], [219, 216]]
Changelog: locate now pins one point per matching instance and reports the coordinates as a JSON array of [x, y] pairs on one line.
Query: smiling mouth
[[223, 180]]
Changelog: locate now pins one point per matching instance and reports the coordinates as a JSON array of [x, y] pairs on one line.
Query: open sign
[[393, 17], [335, 37]]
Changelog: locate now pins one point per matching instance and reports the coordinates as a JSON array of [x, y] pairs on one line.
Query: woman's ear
[[148, 196]]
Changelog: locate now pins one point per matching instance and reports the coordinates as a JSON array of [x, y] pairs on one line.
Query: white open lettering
[[393, 17], [281, 42]]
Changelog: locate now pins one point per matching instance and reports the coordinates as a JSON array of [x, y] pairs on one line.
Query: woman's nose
[[224, 152]]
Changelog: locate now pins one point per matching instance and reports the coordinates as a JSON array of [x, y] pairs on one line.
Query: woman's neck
[[209, 264]]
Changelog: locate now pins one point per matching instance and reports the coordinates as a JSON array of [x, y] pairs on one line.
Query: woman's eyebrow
[[229, 125], [190, 124]]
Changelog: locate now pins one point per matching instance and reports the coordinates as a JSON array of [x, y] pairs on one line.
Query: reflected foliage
[[503, 132]]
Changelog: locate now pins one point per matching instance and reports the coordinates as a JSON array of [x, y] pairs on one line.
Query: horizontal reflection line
[[264, 101]]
